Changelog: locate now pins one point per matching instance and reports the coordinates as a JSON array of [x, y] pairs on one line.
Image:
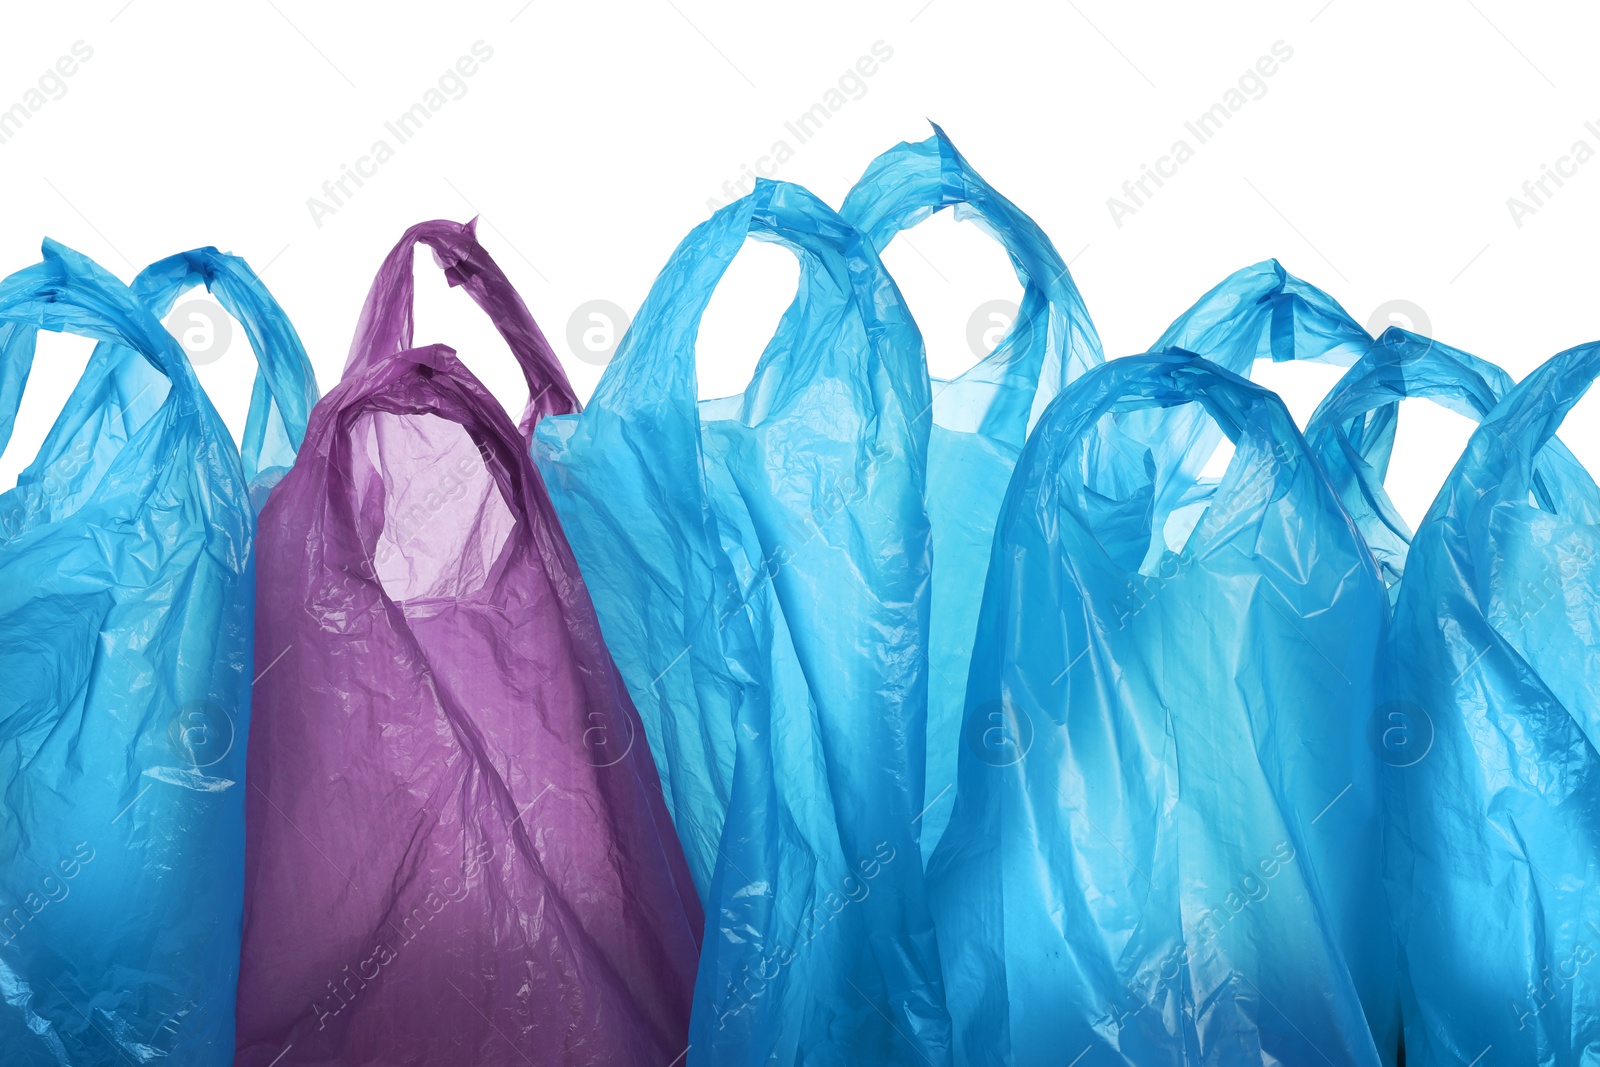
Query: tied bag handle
[[386, 326], [1053, 339], [1352, 431], [840, 278], [285, 384], [67, 292]]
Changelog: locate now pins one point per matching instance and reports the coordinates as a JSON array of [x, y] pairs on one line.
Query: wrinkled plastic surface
[[1165, 827], [1496, 812], [761, 564], [126, 598], [458, 848], [980, 419]]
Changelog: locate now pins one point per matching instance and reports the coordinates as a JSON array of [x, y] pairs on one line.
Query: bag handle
[[1259, 312], [1053, 339], [1264, 312], [1352, 431], [1502, 462], [1251, 416], [67, 292], [386, 326], [421, 381], [285, 383], [840, 278]]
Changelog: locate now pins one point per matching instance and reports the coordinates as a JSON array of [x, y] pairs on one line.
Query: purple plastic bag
[[457, 849]]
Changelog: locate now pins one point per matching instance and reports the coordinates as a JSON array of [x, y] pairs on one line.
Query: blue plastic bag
[[126, 606], [760, 566], [1167, 803], [980, 419], [1495, 814]]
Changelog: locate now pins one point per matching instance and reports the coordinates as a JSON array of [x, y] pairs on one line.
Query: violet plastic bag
[[761, 565], [458, 850], [980, 419], [1496, 688], [1165, 827], [126, 601]]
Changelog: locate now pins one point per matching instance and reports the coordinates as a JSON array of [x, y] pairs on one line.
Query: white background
[[1377, 165]]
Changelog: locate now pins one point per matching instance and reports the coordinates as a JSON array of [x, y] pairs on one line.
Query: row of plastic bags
[[909, 721]]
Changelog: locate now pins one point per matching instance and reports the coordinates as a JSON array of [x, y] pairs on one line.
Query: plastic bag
[[980, 419], [458, 848], [1496, 696], [1164, 758], [761, 566], [126, 597]]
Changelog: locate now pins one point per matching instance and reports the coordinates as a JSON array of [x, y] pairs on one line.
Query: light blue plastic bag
[[1496, 696], [980, 419], [1164, 755], [126, 607], [760, 565]]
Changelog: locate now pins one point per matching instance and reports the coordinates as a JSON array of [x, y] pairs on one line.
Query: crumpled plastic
[[980, 419], [126, 596], [761, 565], [458, 847], [1491, 722], [1166, 819]]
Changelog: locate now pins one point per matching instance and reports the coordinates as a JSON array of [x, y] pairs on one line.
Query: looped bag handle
[[386, 327]]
